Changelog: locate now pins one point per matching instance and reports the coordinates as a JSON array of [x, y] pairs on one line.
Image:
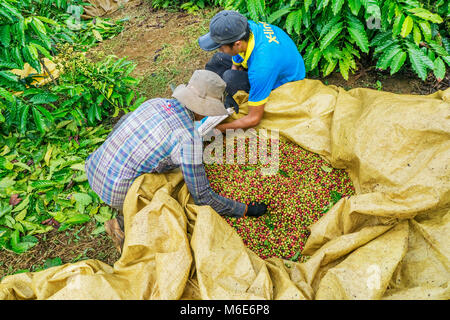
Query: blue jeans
[[236, 80]]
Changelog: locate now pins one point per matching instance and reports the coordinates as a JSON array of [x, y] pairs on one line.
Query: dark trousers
[[236, 80]]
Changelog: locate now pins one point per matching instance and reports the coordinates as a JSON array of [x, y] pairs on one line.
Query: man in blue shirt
[[254, 57]]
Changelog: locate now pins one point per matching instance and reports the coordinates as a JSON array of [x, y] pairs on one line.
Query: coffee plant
[[43, 184], [86, 92], [334, 34], [30, 29]]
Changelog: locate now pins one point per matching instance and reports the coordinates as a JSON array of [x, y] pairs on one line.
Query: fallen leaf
[[14, 200], [51, 222]]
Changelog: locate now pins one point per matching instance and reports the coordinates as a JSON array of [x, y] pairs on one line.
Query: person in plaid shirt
[[157, 137]]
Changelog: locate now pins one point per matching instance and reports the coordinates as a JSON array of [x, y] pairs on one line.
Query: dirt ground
[[70, 246], [164, 45]]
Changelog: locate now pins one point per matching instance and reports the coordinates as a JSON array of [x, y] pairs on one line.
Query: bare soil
[[74, 244]]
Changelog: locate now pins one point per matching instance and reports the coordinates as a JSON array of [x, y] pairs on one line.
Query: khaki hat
[[203, 94]]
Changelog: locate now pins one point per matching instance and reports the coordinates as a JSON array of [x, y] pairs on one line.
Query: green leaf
[[7, 95], [39, 120], [21, 215], [354, 6], [22, 165], [252, 7], [284, 173], [317, 54], [439, 69], [417, 36], [407, 26], [381, 39], [81, 178], [5, 35], [137, 103], [327, 27], [344, 68], [6, 14], [91, 114], [17, 55], [8, 76], [329, 67], [358, 33], [426, 29], [78, 166], [104, 215], [397, 61], [440, 50], [41, 184], [386, 57], [5, 163], [52, 262], [45, 112], [97, 35], [291, 21], [76, 219], [398, 24], [98, 230], [295, 257], [278, 14], [82, 198], [47, 20], [8, 65], [335, 196], [44, 98], [4, 209], [33, 52], [416, 58], [19, 32], [129, 97], [24, 118], [38, 27], [426, 15], [21, 245], [431, 55], [7, 181], [12, 10], [307, 4], [330, 36], [42, 50], [336, 6]]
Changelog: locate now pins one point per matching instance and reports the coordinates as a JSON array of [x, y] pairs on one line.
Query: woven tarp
[[389, 241]]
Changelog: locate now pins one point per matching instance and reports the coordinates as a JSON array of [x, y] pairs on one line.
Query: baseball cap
[[225, 27]]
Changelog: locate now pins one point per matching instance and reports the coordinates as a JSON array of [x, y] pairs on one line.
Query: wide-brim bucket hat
[[204, 94]]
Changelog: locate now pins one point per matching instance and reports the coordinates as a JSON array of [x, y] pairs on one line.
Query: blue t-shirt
[[272, 59]]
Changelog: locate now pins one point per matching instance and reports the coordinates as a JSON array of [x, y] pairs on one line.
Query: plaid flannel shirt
[[157, 137]]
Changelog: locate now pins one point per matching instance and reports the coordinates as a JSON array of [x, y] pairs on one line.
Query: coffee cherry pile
[[298, 194]]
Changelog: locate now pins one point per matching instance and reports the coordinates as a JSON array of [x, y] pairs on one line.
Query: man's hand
[[252, 119], [256, 210], [235, 67]]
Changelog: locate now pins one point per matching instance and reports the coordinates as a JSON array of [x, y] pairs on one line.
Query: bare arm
[[252, 119]]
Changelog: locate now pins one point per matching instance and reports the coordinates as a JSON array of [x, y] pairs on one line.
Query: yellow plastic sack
[[389, 241], [98, 8], [39, 78]]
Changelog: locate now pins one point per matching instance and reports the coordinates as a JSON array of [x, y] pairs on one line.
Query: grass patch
[[175, 61]]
